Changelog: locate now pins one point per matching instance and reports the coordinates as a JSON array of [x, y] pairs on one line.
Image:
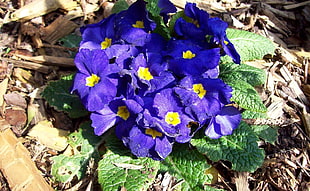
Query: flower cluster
[[156, 91]]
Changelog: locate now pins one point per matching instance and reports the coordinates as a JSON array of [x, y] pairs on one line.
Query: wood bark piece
[[61, 27], [296, 5], [17, 166], [29, 65], [49, 60], [39, 8], [293, 85]]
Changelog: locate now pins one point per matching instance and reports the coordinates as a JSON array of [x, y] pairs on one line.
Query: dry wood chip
[[39, 7], [296, 5], [49, 60], [28, 65], [3, 88], [17, 166], [61, 27], [241, 181]]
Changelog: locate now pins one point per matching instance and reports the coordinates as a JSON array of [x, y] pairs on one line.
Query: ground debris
[[31, 56]]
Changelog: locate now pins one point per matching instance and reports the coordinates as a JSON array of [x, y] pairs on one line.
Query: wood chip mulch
[[31, 55]]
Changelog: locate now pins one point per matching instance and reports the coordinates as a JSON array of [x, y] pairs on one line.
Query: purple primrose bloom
[[203, 97], [174, 122], [98, 35], [93, 81], [195, 30], [119, 112], [217, 30], [133, 25], [187, 58], [148, 142]]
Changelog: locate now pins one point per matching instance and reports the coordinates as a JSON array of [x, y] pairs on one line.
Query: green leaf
[[84, 144], [189, 166], [174, 18], [57, 94], [249, 45], [152, 7], [265, 132], [161, 28], [250, 74], [71, 41], [119, 169], [240, 148], [246, 96], [119, 6]]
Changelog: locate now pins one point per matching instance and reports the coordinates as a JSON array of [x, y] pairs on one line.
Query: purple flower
[[99, 35], [148, 142], [94, 82], [152, 75], [172, 119], [203, 97], [195, 30], [133, 25], [122, 54], [119, 112], [187, 58], [223, 123], [217, 30], [166, 7]]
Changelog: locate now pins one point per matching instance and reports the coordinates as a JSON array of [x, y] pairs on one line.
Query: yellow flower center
[[106, 43], [144, 73], [173, 118], [188, 55], [139, 24], [123, 112], [199, 89], [92, 80], [153, 133]]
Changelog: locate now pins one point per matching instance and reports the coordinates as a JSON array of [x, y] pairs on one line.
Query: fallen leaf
[[16, 117], [15, 99], [49, 136]]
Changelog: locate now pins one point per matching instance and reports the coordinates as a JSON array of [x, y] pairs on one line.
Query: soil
[[32, 55]]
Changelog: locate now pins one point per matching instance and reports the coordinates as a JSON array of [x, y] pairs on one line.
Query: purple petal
[[224, 123]]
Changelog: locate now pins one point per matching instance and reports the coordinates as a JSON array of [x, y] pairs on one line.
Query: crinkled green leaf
[[240, 148], [119, 169], [265, 132], [250, 74], [246, 96], [84, 144], [120, 5], [152, 7], [249, 45], [57, 94], [189, 166]]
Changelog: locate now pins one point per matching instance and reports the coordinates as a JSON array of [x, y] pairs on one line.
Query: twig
[[293, 6], [29, 65], [49, 60]]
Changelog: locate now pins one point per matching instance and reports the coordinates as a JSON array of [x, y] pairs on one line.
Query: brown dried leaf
[[15, 99], [49, 136], [16, 117]]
